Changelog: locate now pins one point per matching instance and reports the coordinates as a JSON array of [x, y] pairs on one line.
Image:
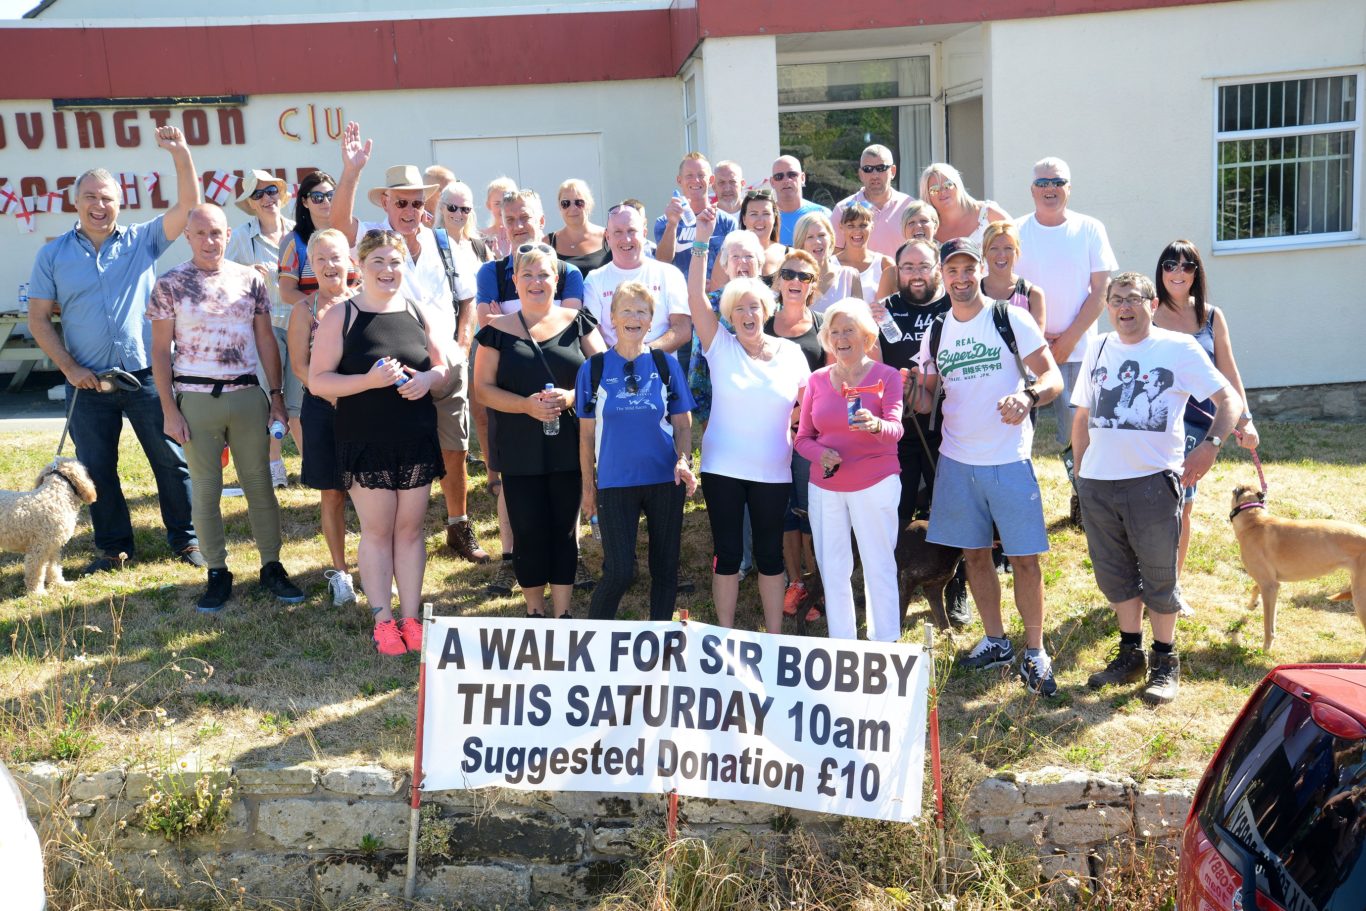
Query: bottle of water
[[890, 330], [23, 297], [597, 531], [552, 426], [277, 429]]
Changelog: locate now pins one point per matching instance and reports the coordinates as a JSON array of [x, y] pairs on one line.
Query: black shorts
[[316, 420]]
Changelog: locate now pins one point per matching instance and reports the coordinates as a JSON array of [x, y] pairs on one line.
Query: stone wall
[[1075, 821], [1295, 404], [298, 833]]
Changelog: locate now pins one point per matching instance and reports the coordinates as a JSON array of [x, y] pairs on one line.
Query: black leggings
[[544, 511], [726, 502], [619, 511]]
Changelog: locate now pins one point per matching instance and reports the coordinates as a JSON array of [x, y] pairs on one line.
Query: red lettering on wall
[[126, 132], [62, 184], [32, 186], [59, 128], [30, 125], [231, 130], [196, 127], [160, 116], [90, 129]]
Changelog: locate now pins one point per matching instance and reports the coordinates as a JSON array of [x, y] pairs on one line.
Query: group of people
[[846, 370]]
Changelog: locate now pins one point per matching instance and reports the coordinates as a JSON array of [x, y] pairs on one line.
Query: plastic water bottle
[[277, 429], [890, 330], [23, 297], [398, 382], [597, 531], [552, 426], [689, 217]]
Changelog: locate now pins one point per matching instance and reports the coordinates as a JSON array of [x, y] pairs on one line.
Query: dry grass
[[119, 669]]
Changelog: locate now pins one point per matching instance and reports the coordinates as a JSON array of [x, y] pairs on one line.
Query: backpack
[[595, 367], [1000, 318], [505, 290]]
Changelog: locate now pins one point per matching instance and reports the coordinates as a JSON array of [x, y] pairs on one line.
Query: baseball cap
[[959, 245]]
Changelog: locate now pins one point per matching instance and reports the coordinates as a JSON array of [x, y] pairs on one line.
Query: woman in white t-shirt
[[757, 382], [959, 214]]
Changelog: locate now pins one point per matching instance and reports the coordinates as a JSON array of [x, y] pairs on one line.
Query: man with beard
[[984, 471]]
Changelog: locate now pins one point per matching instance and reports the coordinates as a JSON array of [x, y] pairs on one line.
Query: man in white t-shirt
[[984, 475], [877, 173], [672, 325], [1068, 255], [1131, 468]]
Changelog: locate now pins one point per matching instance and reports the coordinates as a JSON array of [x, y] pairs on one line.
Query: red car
[[1279, 820]]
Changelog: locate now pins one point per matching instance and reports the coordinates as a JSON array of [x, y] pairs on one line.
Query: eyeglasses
[[576, 203], [1044, 183], [796, 275], [1133, 301], [265, 191], [935, 189], [318, 197], [541, 248], [875, 168], [1185, 267], [922, 268], [789, 175], [407, 203]]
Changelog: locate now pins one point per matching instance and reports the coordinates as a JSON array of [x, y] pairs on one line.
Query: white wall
[[639, 123], [739, 89], [1128, 100]]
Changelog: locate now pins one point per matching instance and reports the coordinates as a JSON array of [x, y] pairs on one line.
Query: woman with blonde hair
[[850, 425], [959, 214], [856, 222], [814, 234], [580, 242], [1001, 247], [375, 357]]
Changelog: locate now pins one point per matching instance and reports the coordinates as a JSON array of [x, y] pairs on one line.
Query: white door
[[541, 163]]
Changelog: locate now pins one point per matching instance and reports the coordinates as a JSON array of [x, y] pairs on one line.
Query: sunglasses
[[1044, 183], [796, 275], [576, 203], [453, 208], [407, 203], [262, 193], [759, 194], [875, 168], [542, 248], [1184, 267], [935, 189], [318, 197], [789, 175], [632, 381]]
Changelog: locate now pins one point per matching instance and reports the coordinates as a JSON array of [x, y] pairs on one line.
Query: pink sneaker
[[410, 628], [388, 640]]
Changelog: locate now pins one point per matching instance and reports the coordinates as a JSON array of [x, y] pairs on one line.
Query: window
[[1288, 155], [690, 138], [828, 113]]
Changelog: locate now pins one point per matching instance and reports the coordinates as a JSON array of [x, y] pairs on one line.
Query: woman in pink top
[[850, 424]]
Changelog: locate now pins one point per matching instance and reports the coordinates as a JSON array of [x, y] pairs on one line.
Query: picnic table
[[16, 347]]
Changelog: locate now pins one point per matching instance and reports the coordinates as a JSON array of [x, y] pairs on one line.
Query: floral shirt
[[214, 313]]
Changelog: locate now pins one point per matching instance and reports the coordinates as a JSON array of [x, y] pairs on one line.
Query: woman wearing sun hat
[[256, 243]]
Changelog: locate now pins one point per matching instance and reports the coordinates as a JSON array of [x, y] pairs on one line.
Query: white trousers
[[871, 513]]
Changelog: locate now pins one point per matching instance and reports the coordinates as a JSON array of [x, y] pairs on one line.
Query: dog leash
[[1256, 459], [110, 381]]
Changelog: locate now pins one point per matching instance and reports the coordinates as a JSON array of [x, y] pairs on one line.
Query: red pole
[[415, 795], [936, 769], [671, 823]]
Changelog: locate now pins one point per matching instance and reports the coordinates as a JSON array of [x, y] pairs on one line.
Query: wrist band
[[699, 246]]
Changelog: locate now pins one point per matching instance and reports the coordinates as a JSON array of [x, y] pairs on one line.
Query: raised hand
[[171, 139], [355, 154]]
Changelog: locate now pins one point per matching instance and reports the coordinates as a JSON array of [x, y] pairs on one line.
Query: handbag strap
[[535, 344]]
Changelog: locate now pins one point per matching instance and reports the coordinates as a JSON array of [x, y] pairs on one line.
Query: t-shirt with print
[[977, 370], [665, 282], [684, 235], [750, 433], [1137, 399], [914, 321], [214, 312], [632, 434], [1060, 260]]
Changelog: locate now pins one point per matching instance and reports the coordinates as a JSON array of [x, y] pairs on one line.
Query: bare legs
[[392, 547]]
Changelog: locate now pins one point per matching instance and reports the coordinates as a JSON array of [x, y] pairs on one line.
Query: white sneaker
[[277, 474], [342, 588]]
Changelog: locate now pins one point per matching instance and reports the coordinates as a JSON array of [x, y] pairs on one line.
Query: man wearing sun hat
[[256, 243], [441, 297]]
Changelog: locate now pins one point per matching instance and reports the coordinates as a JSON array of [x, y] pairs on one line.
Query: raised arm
[[354, 156], [704, 320], [186, 181]]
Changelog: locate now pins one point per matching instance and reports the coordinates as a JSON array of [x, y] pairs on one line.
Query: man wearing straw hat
[[256, 243], [444, 299]]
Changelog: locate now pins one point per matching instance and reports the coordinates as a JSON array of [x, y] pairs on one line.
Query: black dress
[[586, 262], [522, 445], [384, 441]]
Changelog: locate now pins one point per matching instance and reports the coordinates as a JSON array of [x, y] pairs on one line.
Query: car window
[[1289, 789]]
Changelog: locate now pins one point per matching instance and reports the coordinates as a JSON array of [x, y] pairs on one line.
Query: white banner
[[831, 725]]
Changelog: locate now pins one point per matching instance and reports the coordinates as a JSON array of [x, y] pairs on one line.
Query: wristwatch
[[277, 392], [1033, 396], [1214, 441]]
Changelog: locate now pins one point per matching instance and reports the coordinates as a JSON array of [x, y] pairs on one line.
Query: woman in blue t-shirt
[[635, 452]]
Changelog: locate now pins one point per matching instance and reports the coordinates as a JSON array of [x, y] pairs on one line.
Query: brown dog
[[922, 564], [1279, 550]]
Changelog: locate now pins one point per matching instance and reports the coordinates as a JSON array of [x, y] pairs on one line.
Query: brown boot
[[460, 539]]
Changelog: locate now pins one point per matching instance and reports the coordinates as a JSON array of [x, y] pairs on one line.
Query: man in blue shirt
[[788, 181], [100, 275]]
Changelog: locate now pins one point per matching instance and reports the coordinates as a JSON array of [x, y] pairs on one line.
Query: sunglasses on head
[[543, 248], [796, 275], [407, 203], [789, 175], [318, 197], [263, 192], [1045, 182], [763, 193], [576, 203], [875, 168], [1186, 267], [453, 208]]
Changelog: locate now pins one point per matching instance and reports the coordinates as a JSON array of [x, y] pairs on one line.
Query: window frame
[[1296, 241]]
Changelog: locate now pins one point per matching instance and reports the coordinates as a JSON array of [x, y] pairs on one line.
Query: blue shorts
[[969, 498], [1194, 437]]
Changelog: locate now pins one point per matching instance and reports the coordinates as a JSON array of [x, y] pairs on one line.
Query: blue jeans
[[96, 424]]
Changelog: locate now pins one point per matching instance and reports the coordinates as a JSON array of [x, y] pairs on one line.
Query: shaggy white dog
[[37, 523]]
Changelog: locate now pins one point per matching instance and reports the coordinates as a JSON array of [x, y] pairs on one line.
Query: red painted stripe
[[445, 53]]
